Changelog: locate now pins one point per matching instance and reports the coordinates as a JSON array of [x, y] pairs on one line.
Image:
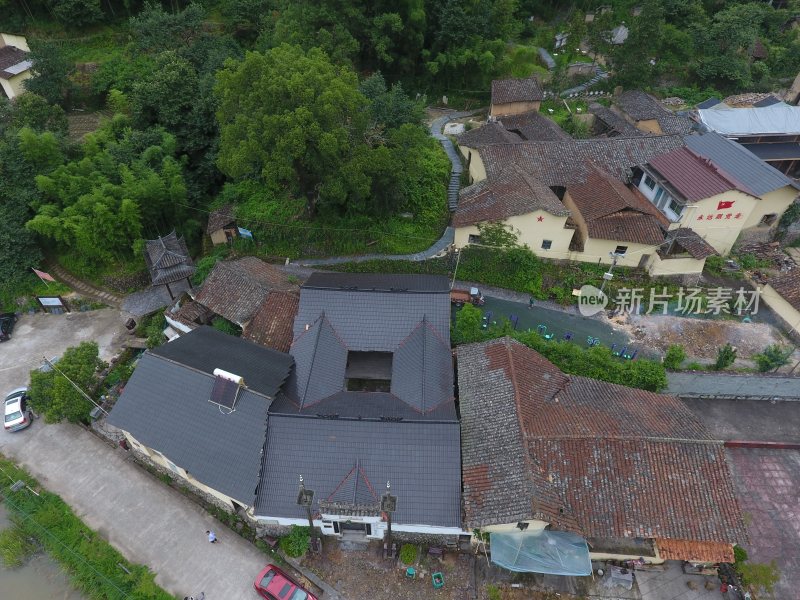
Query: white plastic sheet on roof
[[780, 119], [551, 552]]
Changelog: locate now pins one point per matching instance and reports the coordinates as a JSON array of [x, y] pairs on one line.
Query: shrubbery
[[674, 357], [408, 554], [295, 544]]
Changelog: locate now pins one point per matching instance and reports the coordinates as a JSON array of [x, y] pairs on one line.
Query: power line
[[75, 385]]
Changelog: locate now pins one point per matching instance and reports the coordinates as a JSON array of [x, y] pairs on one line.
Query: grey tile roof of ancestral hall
[[750, 170], [204, 349], [420, 459], [168, 259], [613, 123], [641, 106], [166, 407], [490, 133], [505, 91], [533, 125]]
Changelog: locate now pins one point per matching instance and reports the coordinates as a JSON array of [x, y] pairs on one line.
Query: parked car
[[7, 321], [274, 584], [17, 415]]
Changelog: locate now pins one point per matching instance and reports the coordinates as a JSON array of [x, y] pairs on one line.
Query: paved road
[[147, 521], [720, 385]]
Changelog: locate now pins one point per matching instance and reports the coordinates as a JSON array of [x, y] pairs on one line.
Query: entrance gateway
[[352, 529]]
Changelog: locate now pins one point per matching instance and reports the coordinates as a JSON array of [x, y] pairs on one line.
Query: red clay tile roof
[[693, 176], [687, 239], [235, 289], [613, 211], [516, 90], [490, 133], [713, 552], [272, 324], [219, 218], [534, 126], [511, 193], [788, 286], [616, 461]]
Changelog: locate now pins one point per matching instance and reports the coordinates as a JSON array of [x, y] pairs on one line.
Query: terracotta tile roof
[[566, 162], [10, 57], [516, 90], [687, 239], [788, 286], [511, 193], [713, 552], [613, 211], [272, 324], [694, 177], [617, 461], [641, 106], [235, 289], [219, 218], [534, 126], [490, 133], [192, 314]]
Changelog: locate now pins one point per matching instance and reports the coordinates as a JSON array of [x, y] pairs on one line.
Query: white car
[[17, 415]]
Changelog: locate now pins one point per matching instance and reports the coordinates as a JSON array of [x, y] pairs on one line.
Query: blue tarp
[[551, 552]]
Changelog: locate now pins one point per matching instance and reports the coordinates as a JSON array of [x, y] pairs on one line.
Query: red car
[[274, 584]]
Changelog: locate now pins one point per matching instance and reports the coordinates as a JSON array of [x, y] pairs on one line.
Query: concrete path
[[748, 420], [84, 288], [719, 385]]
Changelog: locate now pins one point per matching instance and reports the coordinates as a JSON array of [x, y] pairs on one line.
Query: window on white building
[[649, 182], [474, 239], [620, 250], [675, 207], [547, 244]]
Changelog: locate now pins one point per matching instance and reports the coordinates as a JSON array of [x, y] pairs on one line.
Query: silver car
[[17, 415]]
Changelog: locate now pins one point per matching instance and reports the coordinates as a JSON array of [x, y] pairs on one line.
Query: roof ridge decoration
[[354, 490]]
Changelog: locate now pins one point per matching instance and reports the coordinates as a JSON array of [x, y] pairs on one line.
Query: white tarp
[[778, 119], [544, 551]]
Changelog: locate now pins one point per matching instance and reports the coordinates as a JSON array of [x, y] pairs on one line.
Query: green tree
[[468, 325], [498, 235], [77, 13], [52, 394], [773, 357], [51, 70], [725, 357], [674, 357], [292, 119], [156, 30], [632, 67], [33, 111], [390, 108]]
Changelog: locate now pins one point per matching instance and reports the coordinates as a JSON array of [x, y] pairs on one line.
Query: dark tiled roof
[[709, 103], [564, 163], [694, 177], [643, 107], [533, 125], [168, 259], [615, 123], [320, 362], [788, 286], [206, 349], [368, 282], [511, 193], [619, 461], [690, 241], [272, 324], [11, 56], [421, 460], [753, 172], [490, 133], [236, 289], [612, 211], [505, 91], [768, 101], [219, 218], [166, 407]]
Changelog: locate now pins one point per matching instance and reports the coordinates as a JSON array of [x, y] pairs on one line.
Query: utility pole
[[610, 274], [388, 506], [455, 271], [306, 498], [75, 385]]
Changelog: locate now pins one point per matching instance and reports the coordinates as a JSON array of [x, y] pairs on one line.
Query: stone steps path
[[84, 288]]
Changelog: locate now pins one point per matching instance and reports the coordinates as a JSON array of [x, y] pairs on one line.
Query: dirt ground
[[700, 338], [364, 574]]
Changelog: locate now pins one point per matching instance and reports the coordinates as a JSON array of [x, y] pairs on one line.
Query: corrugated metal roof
[[751, 171], [692, 176], [421, 460], [166, 407]]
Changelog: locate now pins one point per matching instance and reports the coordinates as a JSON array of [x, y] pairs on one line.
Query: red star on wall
[[540, 218]]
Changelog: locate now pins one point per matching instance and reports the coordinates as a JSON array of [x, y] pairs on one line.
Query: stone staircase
[[83, 288]]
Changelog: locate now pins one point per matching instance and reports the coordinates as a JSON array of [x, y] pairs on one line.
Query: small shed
[[169, 263], [222, 225]]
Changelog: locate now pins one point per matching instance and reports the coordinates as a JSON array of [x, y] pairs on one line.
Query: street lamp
[[388, 506], [306, 498]]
